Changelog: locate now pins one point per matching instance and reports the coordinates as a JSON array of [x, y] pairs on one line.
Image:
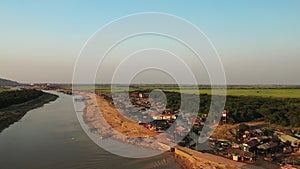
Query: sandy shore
[[105, 120]]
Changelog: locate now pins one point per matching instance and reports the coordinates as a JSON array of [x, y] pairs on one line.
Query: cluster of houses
[[137, 107], [277, 148], [252, 144], [153, 115]]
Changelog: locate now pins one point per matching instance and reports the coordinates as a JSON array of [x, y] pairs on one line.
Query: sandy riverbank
[[104, 119]]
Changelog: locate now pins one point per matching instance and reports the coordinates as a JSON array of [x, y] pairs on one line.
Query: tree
[[243, 127]]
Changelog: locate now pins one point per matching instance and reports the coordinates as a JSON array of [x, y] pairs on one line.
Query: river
[[51, 137]]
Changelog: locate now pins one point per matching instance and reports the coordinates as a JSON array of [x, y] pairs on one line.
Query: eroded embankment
[[14, 113]]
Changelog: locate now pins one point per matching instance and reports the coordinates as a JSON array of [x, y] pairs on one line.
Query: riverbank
[[15, 112], [103, 119]]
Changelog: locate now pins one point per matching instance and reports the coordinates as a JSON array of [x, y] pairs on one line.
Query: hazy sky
[[257, 40]]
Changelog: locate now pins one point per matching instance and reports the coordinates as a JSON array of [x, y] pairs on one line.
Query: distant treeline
[[285, 111], [11, 97], [281, 111]]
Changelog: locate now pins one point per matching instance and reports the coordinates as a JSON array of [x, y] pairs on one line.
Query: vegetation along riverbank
[[15, 103]]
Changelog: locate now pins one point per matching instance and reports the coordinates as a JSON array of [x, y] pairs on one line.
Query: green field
[[278, 93], [259, 91], [3, 89]]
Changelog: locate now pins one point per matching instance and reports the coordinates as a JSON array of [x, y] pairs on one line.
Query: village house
[[164, 117], [286, 138]]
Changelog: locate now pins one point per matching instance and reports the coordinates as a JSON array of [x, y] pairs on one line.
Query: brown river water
[[50, 137]]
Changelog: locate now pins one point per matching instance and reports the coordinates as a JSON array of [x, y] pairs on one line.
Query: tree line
[[281, 111], [11, 97]]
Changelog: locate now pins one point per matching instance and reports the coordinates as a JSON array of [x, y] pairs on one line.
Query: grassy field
[[3, 89], [278, 93], [259, 91]]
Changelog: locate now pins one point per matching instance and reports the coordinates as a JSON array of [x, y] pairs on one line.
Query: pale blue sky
[[258, 40]]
